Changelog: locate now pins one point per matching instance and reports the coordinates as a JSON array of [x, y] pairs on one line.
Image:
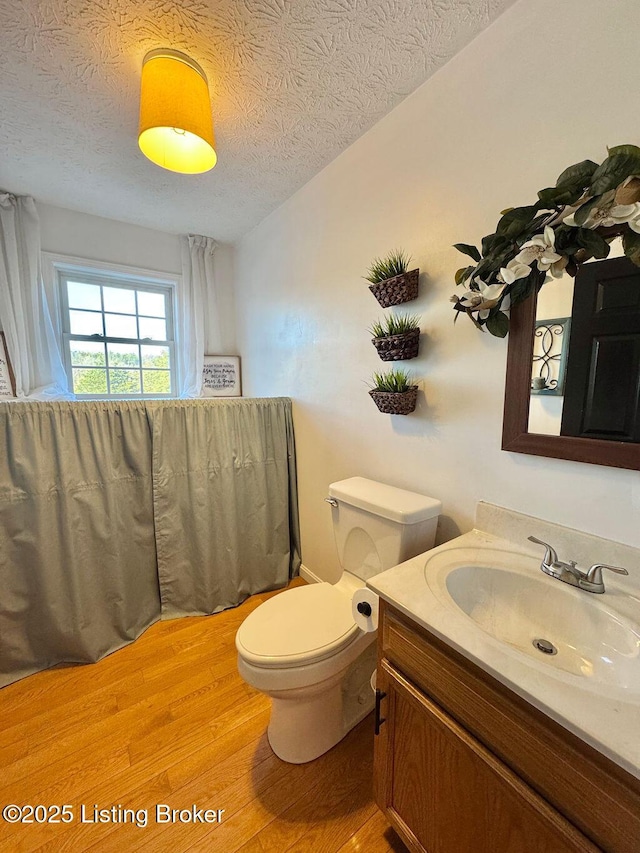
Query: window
[[118, 335]]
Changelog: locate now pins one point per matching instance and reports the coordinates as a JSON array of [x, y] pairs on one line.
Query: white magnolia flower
[[624, 212], [606, 213], [471, 299], [634, 223], [483, 300], [540, 249], [513, 271]]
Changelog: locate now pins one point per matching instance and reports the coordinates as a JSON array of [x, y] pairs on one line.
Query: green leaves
[[498, 324], [552, 197], [393, 264], [393, 380], [596, 245], [592, 193], [522, 288], [582, 213], [570, 185], [516, 220], [463, 274], [466, 249], [623, 160], [395, 324], [493, 244], [567, 242], [628, 150], [577, 176], [631, 245]]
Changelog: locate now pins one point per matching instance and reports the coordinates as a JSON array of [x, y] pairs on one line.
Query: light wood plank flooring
[[168, 720]]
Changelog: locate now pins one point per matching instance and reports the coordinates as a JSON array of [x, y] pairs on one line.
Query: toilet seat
[[301, 626]]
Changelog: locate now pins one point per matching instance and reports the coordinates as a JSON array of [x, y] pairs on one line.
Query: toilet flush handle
[[332, 501], [364, 608]]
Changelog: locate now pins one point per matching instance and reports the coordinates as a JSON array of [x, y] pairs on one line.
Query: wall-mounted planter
[[396, 290], [396, 402], [398, 347]]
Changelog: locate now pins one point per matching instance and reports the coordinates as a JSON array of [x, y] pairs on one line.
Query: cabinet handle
[[379, 720]]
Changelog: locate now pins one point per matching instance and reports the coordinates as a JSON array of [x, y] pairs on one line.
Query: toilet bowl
[[302, 647], [298, 650]]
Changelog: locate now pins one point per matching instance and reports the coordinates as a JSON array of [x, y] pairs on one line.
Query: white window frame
[[58, 268]]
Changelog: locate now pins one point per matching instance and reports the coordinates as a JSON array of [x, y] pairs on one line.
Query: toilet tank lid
[[386, 501]]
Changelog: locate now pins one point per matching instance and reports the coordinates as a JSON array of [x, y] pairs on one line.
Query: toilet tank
[[378, 526]]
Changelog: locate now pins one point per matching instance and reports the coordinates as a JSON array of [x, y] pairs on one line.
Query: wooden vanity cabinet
[[463, 765]]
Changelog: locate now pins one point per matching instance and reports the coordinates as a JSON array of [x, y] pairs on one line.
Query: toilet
[[303, 648]]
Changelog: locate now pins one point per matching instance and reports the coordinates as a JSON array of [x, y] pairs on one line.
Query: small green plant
[[395, 324], [395, 381], [395, 263]]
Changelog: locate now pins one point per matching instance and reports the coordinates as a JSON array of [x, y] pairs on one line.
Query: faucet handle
[[594, 575], [551, 556]]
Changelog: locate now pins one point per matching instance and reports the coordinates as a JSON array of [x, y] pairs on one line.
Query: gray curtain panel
[[225, 497], [77, 551], [113, 514]]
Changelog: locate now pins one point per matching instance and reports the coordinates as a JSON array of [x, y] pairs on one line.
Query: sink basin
[[556, 627]]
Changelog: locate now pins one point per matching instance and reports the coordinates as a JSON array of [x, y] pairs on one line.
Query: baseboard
[[307, 575]]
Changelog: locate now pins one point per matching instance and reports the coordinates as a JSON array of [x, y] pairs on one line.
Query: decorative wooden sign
[[221, 376]]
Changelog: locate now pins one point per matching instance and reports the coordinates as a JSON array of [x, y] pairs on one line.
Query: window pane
[[123, 355], [85, 323], [155, 357], [124, 381], [155, 329], [119, 299], [124, 313], [119, 326], [156, 381], [87, 380], [84, 295], [151, 303], [87, 353]]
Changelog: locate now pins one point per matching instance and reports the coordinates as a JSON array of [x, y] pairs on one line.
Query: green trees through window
[[127, 368], [118, 335]]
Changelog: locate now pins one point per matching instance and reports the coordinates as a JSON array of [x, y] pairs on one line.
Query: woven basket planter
[[396, 290], [396, 402], [398, 347]]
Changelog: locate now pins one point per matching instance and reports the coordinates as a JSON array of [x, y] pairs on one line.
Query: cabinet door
[[445, 793]]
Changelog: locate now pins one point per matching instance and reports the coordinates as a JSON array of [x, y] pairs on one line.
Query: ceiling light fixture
[[176, 127]]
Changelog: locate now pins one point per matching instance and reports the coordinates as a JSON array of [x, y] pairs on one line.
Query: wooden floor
[[167, 720]]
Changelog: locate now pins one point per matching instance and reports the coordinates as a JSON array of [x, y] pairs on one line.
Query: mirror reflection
[[585, 372]]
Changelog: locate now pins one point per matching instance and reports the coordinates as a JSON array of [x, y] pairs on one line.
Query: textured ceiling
[[293, 83]]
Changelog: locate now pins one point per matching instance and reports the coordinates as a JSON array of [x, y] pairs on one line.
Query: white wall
[[547, 85], [68, 232]]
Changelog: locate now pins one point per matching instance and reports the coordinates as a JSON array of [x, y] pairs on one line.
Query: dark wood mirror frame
[[515, 424]]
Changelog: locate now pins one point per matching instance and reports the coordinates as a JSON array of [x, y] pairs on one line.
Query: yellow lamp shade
[[176, 128]]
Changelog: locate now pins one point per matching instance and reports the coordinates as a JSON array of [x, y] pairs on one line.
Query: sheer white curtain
[[198, 313], [24, 313]]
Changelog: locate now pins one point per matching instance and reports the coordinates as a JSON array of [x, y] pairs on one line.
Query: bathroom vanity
[[481, 747]]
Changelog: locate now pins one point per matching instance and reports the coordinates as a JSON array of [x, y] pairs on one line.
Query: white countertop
[[608, 719]]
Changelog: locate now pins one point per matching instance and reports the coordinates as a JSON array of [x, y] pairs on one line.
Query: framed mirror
[[573, 368]]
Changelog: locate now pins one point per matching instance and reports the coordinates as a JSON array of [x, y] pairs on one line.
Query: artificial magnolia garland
[[570, 223]]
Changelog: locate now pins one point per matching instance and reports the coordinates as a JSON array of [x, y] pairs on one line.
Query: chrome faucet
[[590, 581]]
